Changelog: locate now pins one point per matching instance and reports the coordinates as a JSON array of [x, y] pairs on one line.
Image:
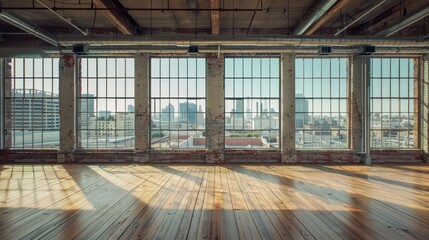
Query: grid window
[[34, 102], [252, 102], [106, 103], [178, 102], [321, 103], [393, 99]]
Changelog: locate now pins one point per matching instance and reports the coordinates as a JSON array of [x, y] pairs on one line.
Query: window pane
[[252, 107], [34, 103], [106, 110], [392, 121], [178, 112], [321, 98]]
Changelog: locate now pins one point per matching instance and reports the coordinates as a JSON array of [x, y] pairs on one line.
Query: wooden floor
[[214, 202]]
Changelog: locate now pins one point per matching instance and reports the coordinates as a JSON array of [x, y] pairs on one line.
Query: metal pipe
[[321, 9], [297, 9], [65, 20], [360, 17], [241, 41], [367, 130], [27, 28], [405, 23]]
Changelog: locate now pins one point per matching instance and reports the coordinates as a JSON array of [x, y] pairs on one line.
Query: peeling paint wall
[[288, 108], [215, 112], [67, 71]]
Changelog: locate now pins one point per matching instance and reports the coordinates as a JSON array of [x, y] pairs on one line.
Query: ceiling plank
[[215, 20], [378, 22], [338, 5], [124, 22]]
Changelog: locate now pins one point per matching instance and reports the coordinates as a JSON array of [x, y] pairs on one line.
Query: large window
[[34, 103], [321, 103], [393, 100], [106, 103], [252, 102], [178, 102]]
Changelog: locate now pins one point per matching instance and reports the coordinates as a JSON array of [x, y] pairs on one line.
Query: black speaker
[[367, 50], [193, 51], [80, 49]]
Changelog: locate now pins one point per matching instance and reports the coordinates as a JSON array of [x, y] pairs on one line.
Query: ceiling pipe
[[321, 9], [27, 28], [243, 41], [37, 50], [360, 17], [327, 16], [65, 20], [405, 23]]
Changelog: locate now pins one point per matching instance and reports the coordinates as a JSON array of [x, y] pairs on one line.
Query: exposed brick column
[[67, 98], [215, 109], [356, 118], [142, 111], [425, 108], [288, 153]]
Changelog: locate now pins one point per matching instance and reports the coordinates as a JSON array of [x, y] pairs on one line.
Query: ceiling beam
[[405, 23], [124, 22], [214, 4], [379, 21], [338, 5], [321, 8]]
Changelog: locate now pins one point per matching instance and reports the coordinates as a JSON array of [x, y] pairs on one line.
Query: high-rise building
[[167, 113], [301, 109], [35, 109], [86, 109], [188, 112]]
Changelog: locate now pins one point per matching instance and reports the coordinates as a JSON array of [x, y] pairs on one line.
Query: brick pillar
[[288, 153], [356, 118], [142, 111], [425, 108], [67, 98], [215, 110]]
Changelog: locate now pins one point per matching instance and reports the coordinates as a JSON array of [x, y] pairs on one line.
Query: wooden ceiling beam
[[123, 21], [215, 17]]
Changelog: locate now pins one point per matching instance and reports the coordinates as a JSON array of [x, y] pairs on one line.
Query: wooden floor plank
[[179, 201]]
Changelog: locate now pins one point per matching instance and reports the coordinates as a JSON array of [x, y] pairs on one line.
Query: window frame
[[256, 98], [159, 109], [346, 98], [129, 133], [413, 65]]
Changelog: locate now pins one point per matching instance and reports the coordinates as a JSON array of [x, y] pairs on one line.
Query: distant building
[[167, 114], [301, 111], [105, 114], [35, 109], [188, 112], [130, 108], [86, 110]]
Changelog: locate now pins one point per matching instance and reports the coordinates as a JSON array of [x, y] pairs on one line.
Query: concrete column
[[215, 109], [142, 110], [7, 87], [356, 117], [417, 107], [67, 87], [425, 108], [288, 153]]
